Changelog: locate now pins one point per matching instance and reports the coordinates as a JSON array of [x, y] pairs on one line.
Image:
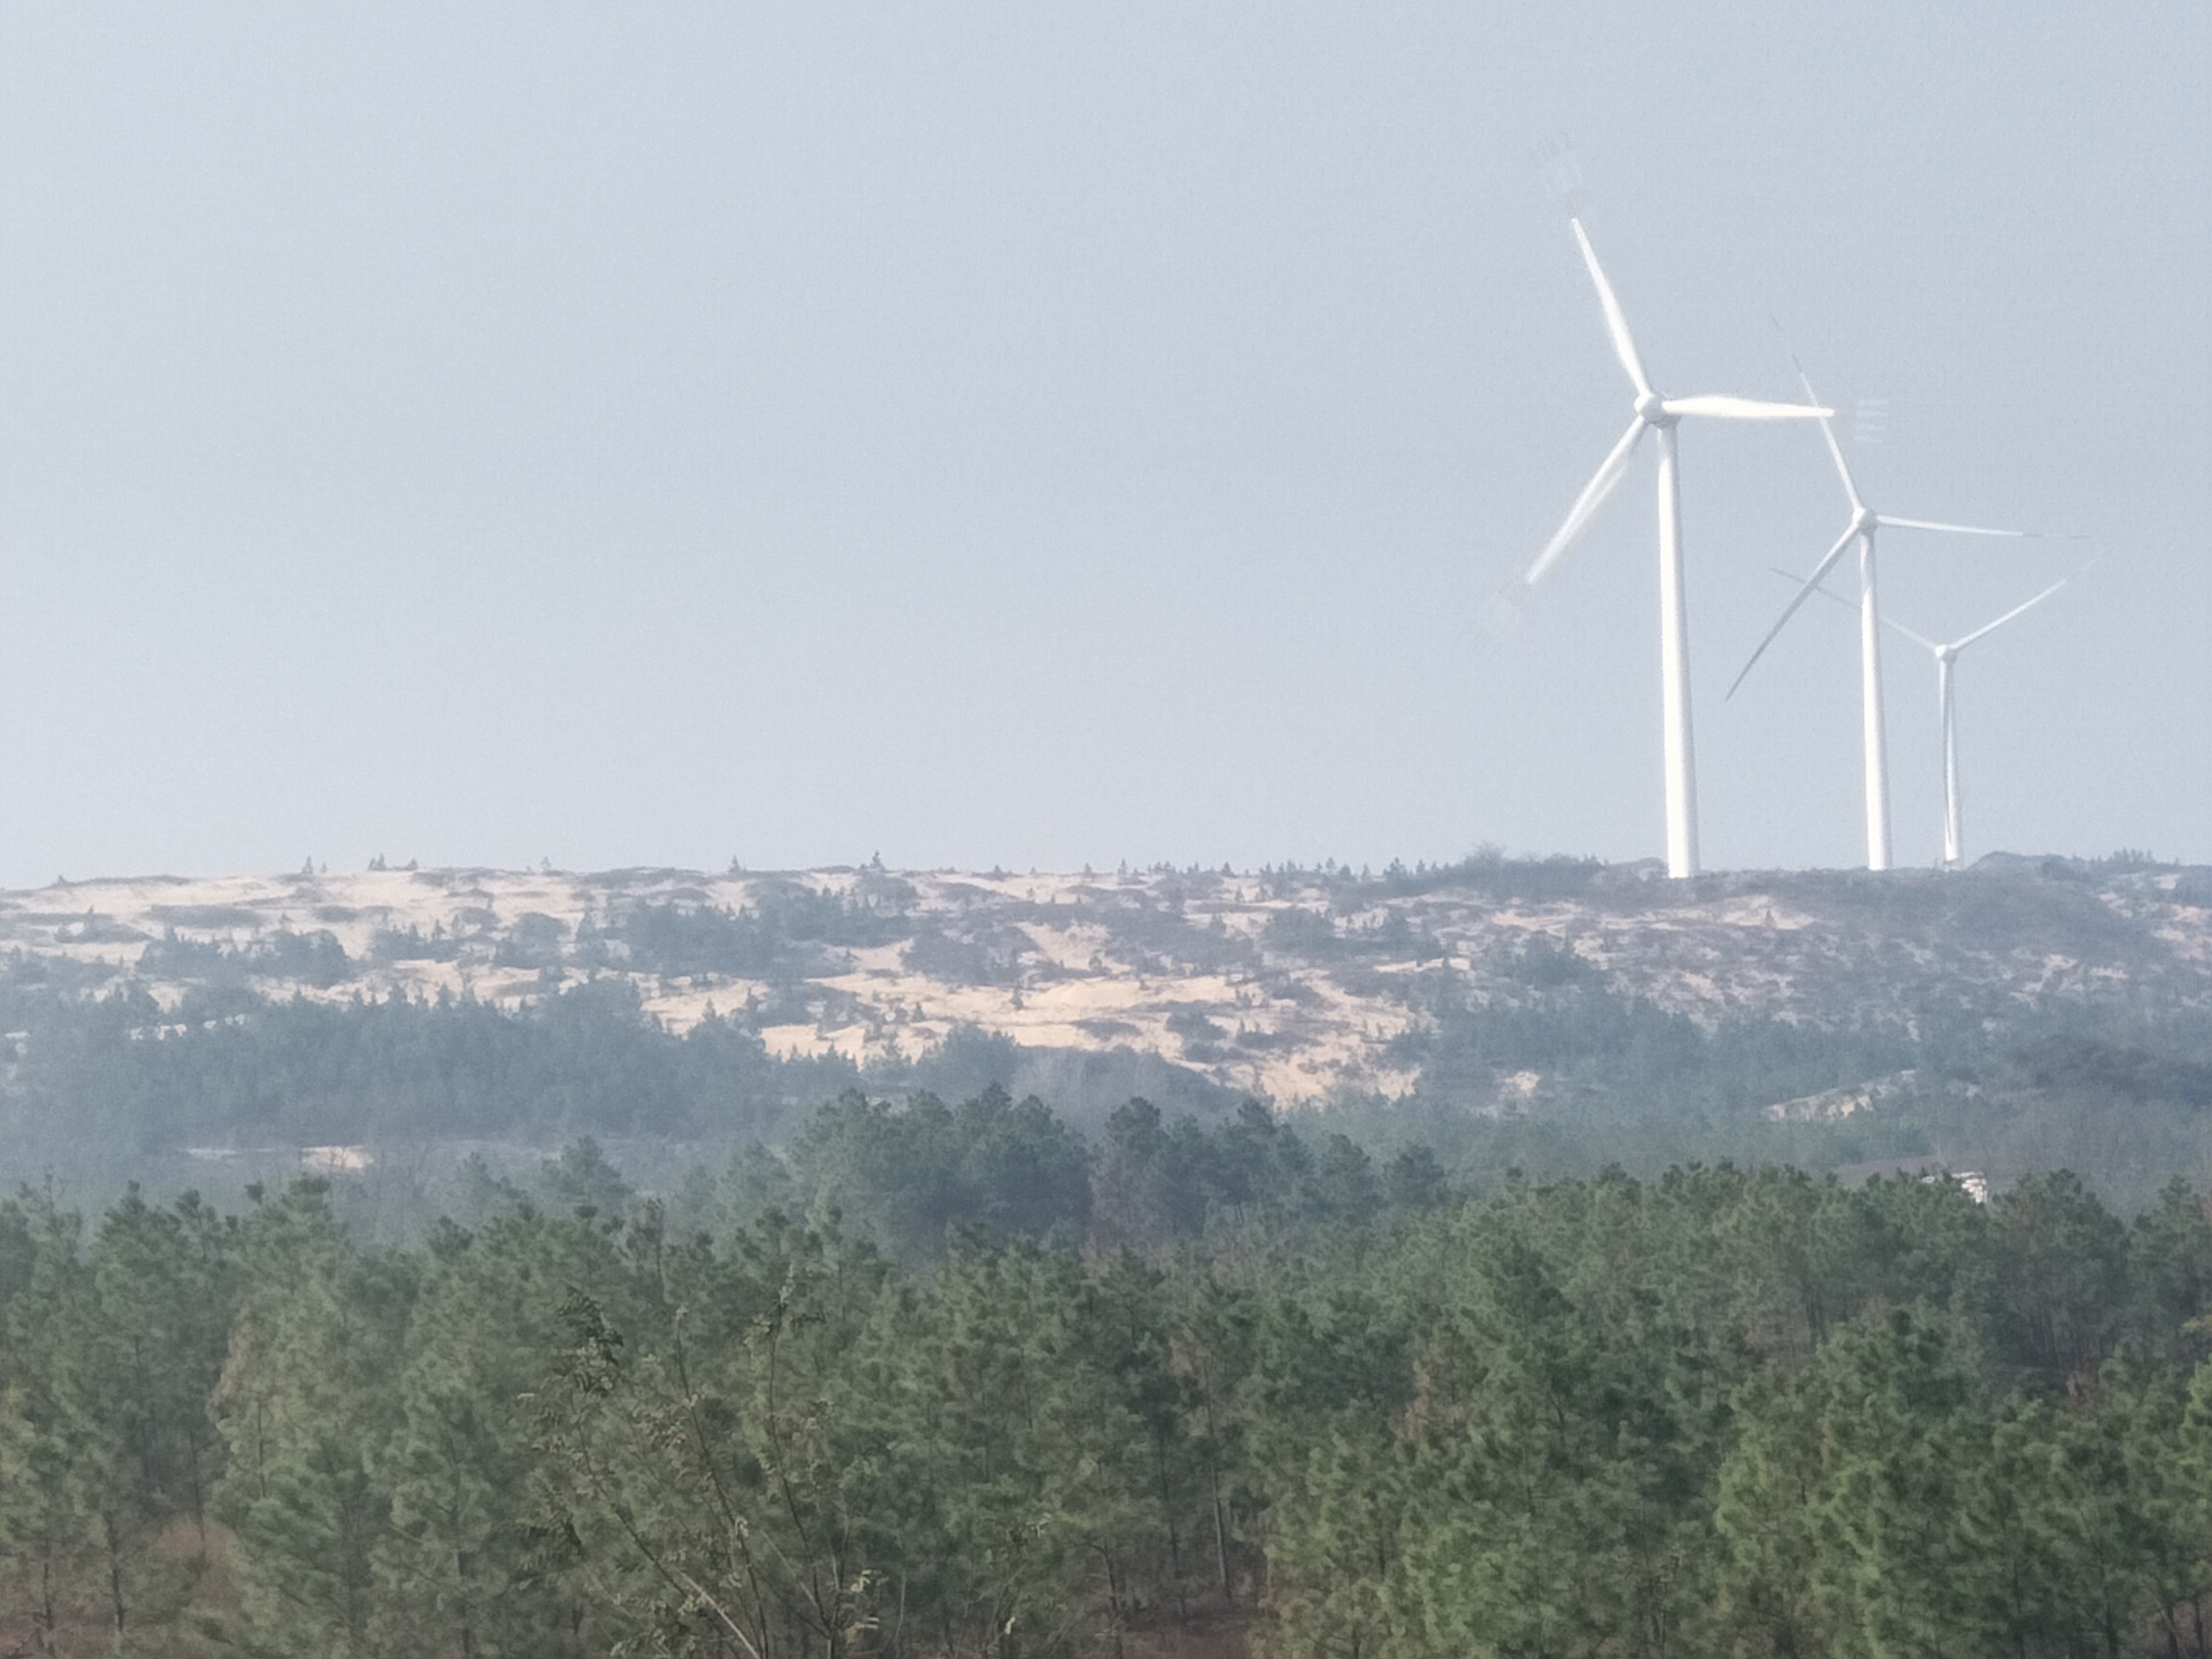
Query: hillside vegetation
[[1553, 1015], [943, 1380]]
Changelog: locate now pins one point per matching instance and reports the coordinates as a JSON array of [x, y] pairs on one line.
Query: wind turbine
[[1947, 656], [1864, 522], [1660, 415]]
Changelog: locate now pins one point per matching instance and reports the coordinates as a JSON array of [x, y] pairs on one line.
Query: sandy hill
[[1291, 982]]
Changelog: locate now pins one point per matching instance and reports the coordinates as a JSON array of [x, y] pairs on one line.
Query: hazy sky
[[1047, 434]]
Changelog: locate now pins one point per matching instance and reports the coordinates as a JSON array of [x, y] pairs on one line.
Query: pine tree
[[715, 1469], [306, 1403], [1896, 1569], [459, 1560], [47, 1522]]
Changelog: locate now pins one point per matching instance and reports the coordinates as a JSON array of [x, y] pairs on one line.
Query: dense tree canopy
[[945, 1379]]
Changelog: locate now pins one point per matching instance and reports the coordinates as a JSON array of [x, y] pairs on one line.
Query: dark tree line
[[943, 1379], [120, 1070], [2121, 1092]]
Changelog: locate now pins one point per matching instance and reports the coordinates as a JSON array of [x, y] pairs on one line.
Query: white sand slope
[[1294, 986]]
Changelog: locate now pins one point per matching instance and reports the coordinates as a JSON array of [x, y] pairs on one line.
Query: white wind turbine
[[1660, 415], [1954, 844], [1864, 522]]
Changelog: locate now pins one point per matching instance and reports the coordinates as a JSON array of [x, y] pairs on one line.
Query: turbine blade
[[1828, 431], [1744, 408], [1904, 524], [1830, 594], [1616, 323], [1990, 627], [1851, 485], [1823, 589], [1812, 584], [1586, 504], [1917, 639]]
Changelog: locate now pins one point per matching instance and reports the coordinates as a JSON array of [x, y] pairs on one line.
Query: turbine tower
[[1864, 522], [1946, 657], [1660, 415]]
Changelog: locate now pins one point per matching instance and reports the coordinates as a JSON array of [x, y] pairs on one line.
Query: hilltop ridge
[[1295, 984]]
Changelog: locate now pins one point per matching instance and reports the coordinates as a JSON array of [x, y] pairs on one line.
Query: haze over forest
[[664, 1261], [1557, 1013], [905, 649]]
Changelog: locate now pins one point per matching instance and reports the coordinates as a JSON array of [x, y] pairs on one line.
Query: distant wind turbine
[[1660, 415], [1865, 521], [1954, 843]]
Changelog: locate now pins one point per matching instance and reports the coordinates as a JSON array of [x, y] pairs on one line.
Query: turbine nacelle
[[1865, 521], [1655, 413], [1945, 654]]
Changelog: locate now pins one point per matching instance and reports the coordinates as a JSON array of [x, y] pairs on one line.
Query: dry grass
[[1119, 962]]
